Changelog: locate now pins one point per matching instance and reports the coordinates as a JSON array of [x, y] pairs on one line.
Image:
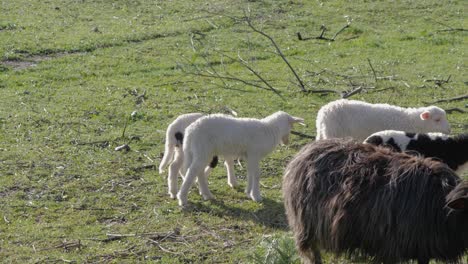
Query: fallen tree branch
[[302, 135], [449, 28], [351, 93], [439, 82], [452, 29], [321, 37], [323, 91], [249, 23], [245, 64], [65, 245], [457, 98], [455, 109]]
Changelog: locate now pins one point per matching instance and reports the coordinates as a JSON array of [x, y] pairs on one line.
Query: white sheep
[[174, 155], [452, 150], [248, 138], [357, 119]]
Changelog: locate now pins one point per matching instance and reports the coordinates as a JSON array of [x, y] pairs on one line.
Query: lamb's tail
[[168, 152], [188, 155]]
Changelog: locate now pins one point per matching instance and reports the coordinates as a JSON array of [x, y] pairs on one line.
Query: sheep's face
[[435, 120], [457, 199], [284, 123], [291, 121]]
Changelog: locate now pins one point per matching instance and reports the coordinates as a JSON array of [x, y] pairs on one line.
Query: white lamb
[[357, 119], [174, 155], [247, 138]]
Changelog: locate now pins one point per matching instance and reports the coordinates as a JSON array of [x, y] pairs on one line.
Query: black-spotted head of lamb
[[451, 150]]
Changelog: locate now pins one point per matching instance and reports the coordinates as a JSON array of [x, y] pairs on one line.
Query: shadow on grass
[[272, 213]]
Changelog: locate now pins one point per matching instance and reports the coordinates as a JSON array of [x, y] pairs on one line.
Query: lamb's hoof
[[173, 195], [208, 196], [233, 184], [256, 198], [182, 200]]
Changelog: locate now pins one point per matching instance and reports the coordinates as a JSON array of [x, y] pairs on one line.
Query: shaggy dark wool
[[359, 199]]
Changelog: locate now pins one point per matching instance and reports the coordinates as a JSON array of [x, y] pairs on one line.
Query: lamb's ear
[[459, 204], [298, 120], [425, 115]]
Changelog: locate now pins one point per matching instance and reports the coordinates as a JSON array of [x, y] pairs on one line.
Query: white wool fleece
[[357, 119], [222, 135], [174, 155], [178, 125]]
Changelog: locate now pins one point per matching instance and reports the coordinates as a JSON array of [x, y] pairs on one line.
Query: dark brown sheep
[[356, 199]]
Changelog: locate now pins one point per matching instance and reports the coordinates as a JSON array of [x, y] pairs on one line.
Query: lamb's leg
[[229, 164], [207, 173], [174, 169], [203, 183], [253, 175], [195, 169], [210, 167]]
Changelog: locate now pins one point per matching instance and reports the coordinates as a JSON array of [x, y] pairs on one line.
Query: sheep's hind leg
[[194, 170], [232, 180], [253, 175], [311, 256], [174, 169], [203, 185]]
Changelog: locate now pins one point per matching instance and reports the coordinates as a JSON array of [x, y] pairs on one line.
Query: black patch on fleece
[[452, 151], [214, 162], [375, 140], [378, 141], [410, 135], [179, 138], [391, 143]]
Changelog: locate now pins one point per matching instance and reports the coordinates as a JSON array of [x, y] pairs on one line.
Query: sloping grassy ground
[[79, 78]]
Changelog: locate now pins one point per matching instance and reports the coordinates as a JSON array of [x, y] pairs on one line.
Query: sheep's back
[[357, 119], [225, 135]]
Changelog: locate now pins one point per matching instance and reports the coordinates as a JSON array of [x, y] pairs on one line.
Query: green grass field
[[79, 78]]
